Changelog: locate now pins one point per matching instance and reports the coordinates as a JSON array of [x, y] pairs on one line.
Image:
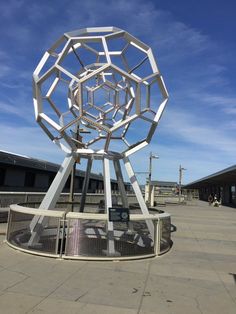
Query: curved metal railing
[[76, 235]]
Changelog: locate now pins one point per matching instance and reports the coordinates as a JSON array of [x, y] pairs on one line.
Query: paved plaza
[[197, 276]]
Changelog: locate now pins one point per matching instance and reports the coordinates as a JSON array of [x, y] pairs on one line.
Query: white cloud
[[4, 70], [23, 112], [188, 132], [189, 127], [30, 141], [11, 7], [198, 162], [225, 103]]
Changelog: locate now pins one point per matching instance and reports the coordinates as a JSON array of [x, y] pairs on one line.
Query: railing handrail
[[63, 193], [63, 229], [37, 211], [78, 215], [133, 217]]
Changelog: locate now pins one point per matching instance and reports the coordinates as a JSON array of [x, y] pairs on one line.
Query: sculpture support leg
[[51, 198], [58, 183], [121, 186], [120, 182], [85, 185], [108, 203], [138, 194]]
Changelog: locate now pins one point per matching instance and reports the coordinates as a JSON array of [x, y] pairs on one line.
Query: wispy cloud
[[4, 70], [28, 140], [196, 128], [191, 129], [223, 102], [11, 7], [198, 162], [23, 113]]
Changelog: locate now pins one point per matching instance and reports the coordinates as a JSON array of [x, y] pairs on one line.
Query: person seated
[[210, 199], [215, 202]]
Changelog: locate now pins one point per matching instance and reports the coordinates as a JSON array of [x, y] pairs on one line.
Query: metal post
[[85, 185], [108, 203], [149, 179], [157, 237], [123, 195], [72, 189], [151, 156], [138, 194], [78, 138], [58, 183], [120, 182], [50, 199], [180, 175], [180, 181]]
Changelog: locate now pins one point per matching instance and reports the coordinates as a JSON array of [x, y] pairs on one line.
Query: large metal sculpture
[[98, 94]]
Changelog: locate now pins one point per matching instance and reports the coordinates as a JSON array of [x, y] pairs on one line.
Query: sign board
[[118, 214]]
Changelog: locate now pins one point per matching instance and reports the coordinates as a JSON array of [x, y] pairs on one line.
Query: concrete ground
[[198, 275]]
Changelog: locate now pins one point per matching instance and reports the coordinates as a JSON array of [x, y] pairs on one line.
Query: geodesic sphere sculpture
[[99, 89]]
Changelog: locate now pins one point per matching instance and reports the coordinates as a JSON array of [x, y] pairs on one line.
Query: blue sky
[[194, 43]]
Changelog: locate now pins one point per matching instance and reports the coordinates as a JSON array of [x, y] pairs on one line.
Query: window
[[29, 179], [233, 194], [81, 181], [67, 185], [51, 178], [2, 176]]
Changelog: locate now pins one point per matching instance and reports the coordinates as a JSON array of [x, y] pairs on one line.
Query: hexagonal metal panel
[[102, 83]]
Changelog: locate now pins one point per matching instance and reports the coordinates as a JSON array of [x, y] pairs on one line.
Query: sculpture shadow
[[173, 228]]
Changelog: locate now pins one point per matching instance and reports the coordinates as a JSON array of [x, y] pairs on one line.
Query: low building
[[160, 190], [222, 184], [26, 174]]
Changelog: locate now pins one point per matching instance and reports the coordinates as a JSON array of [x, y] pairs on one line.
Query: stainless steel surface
[[87, 235]]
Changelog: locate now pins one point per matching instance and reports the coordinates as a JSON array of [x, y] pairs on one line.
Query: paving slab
[[198, 275], [4, 214], [3, 228], [97, 285], [17, 303]]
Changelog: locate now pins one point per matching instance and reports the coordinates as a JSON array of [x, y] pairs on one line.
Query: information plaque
[[118, 214]]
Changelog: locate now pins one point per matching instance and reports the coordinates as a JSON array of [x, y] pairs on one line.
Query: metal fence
[[86, 235], [165, 233], [7, 198]]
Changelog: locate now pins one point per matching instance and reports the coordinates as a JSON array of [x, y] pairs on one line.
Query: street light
[[181, 169], [151, 156]]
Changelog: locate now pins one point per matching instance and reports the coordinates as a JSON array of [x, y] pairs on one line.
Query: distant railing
[[76, 235], [7, 198]]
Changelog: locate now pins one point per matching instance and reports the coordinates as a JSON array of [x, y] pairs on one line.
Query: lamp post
[[151, 156], [181, 169]]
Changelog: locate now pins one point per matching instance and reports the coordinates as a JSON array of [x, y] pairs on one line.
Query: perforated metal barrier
[[90, 238], [85, 235], [165, 234]]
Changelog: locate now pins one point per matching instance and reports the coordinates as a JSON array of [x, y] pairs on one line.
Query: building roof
[[164, 183], [28, 162], [225, 176], [13, 159]]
